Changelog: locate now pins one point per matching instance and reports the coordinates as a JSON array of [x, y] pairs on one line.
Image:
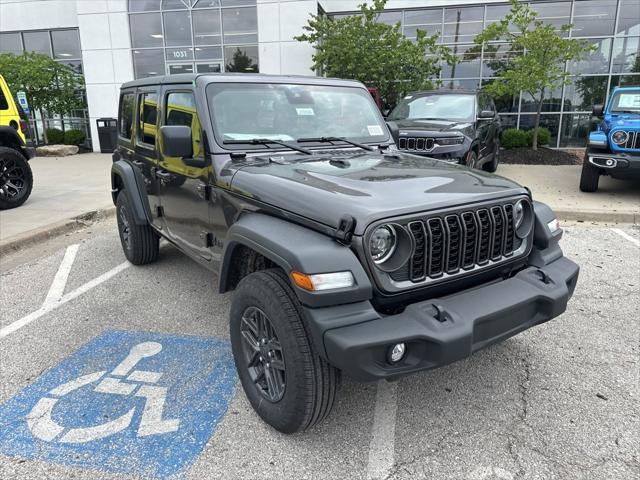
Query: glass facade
[[63, 45], [612, 26], [186, 36]]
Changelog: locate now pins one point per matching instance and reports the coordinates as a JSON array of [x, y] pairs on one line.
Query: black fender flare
[[123, 176], [546, 246], [296, 248]]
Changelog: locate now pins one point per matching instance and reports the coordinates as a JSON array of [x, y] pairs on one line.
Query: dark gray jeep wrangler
[[345, 254]]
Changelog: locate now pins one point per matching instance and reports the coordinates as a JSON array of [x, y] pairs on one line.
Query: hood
[[620, 122], [368, 186], [440, 126]]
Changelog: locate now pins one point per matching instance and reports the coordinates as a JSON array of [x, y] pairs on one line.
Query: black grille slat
[[454, 244], [498, 233], [437, 252], [470, 227], [418, 264], [633, 140], [486, 235], [510, 232]]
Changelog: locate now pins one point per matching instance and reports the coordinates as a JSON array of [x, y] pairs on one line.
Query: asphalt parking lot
[[558, 401]]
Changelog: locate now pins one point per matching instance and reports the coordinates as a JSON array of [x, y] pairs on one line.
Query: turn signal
[[323, 281]]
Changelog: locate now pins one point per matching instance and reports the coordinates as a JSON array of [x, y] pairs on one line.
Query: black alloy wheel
[[263, 354], [16, 178]]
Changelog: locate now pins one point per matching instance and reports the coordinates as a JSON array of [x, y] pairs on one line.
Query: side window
[[125, 116], [4, 104], [147, 118], [181, 110]]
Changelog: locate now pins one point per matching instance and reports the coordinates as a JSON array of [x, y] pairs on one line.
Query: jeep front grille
[[633, 141], [416, 143], [458, 242]]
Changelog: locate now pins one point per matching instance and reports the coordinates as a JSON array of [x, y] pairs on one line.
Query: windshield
[[626, 102], [287, 112], [436, 107]]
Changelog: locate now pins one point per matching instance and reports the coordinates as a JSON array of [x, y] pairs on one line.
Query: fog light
[[396, 353]]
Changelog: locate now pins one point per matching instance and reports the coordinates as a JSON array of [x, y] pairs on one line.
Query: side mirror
[[486, 115], [598, 111], [394, 130], [176, 141]]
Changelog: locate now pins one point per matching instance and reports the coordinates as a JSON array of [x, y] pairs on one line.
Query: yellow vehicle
[[16, 179]]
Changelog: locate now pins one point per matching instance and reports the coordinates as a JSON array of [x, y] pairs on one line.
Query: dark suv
[[454, 125], [345, 255]]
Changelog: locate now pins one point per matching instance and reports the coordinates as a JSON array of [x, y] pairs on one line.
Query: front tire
[[16, 178], [492, 166], [590, 176], [287, 383], [472, 159], [139, 242]]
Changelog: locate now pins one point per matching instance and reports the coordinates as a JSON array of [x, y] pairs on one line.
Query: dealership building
[[113, 41]]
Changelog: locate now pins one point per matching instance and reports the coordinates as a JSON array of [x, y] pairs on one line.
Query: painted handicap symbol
[[122, 380]]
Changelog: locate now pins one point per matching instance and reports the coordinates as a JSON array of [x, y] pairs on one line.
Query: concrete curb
[[37, 235], [597, 216]]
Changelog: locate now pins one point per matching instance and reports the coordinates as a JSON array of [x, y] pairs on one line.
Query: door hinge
[[207, 239], [160, 211], [346, 227], [205, 191]]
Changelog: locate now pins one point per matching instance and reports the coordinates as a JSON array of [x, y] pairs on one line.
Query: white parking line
[[60, 280], [59, 287], [383, 432], [623, 234]]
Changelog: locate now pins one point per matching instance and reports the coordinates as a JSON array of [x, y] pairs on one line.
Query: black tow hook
[[544, 278]]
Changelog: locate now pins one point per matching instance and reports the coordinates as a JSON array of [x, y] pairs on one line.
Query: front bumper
[[616, 164], [440, 331]]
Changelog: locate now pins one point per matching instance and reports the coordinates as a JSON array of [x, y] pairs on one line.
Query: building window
[[593, 18], [10, 43], [180, 36], [37, 42]]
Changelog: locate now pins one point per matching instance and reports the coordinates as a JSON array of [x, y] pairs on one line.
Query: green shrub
[[544, 136], [513, 138], [55, 136], [74, 137]]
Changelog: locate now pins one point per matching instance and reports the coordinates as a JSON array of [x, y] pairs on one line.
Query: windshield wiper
[[626, 111], [267, 141], [335, 139]]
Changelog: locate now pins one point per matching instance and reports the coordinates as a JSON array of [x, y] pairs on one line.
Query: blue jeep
[[614, 148]]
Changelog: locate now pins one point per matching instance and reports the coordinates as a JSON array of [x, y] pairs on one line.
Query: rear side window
[[148, 116], [4, 105], [125, 116]]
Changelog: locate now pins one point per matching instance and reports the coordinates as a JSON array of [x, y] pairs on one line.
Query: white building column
[[106, 56], [278, 22]]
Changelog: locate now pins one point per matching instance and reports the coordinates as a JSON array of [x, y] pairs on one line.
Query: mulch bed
[[542, 156]]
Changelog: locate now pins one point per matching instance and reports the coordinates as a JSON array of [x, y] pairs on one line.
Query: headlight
[[522, 218], [382, 243], [450, 140], [619, 137]]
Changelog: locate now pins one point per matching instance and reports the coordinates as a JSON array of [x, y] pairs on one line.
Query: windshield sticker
[[305, 111], [249, 136], [628, 100], [374, 130]]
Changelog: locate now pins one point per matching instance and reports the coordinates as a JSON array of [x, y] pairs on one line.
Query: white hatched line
[[18, 324], [60, 280], [625, 235], [383, 432]]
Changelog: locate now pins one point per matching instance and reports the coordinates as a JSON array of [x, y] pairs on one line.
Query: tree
[[377, 54], [536, 58], [241, 62], [50, 86]]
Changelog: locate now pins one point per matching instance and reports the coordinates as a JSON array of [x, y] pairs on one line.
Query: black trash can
[[107, 134]]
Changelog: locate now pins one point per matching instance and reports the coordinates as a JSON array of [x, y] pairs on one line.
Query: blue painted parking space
[[130, 402]]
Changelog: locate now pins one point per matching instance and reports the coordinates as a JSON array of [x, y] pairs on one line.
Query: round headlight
[[619, 137], [522, 218], [382, 243]]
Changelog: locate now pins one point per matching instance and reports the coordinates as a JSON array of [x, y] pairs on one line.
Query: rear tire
[[16, 178], [139, 242], [308, 384], [590, 176]]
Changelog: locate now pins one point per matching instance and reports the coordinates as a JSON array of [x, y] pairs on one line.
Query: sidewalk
[[69, 187], [557, 186], [63, 188]]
